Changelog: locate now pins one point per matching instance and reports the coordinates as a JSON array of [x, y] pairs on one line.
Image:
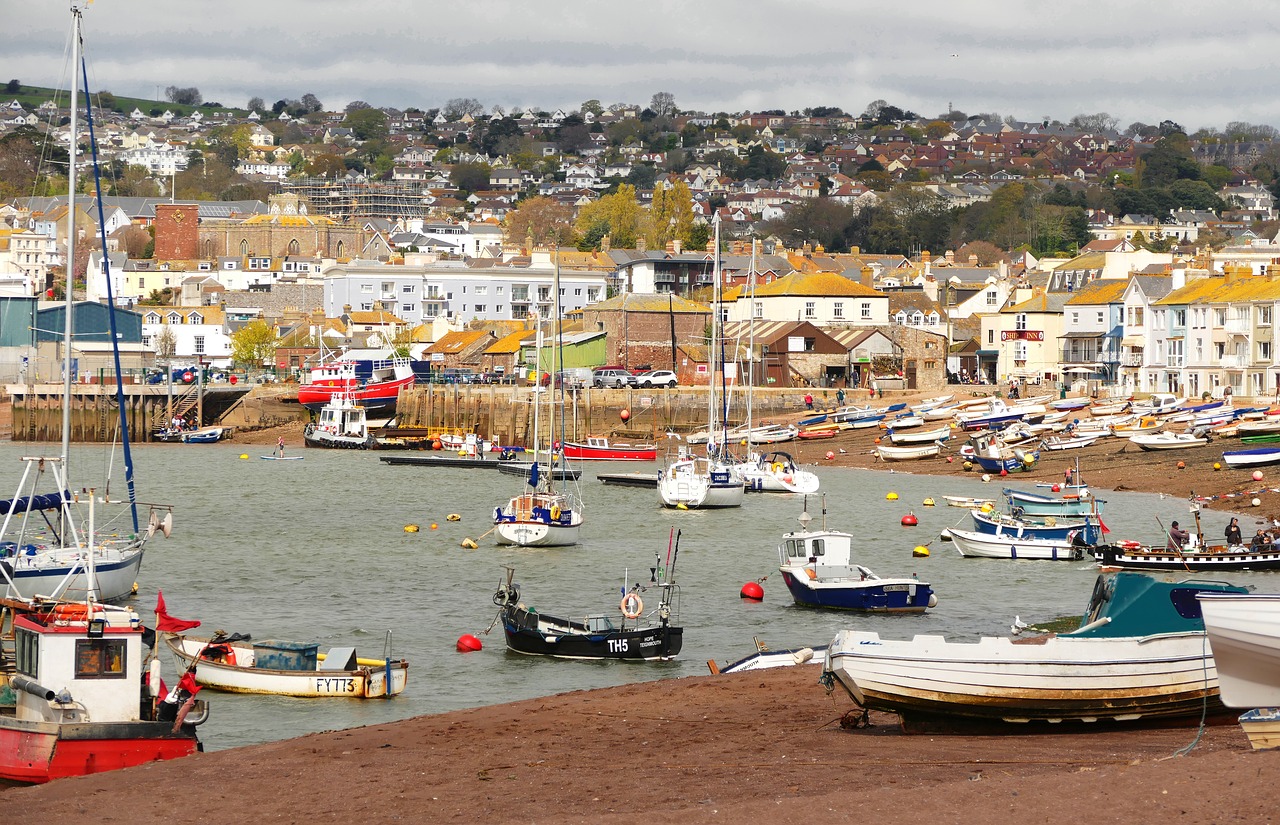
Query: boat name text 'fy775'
[[336, 684]]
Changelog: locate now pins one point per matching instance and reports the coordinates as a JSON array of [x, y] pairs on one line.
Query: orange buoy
[[435, 526], [910, 520], [625, 415], [752, 591], [950, 459], [468, 644], [436, 445], [1182, 465]]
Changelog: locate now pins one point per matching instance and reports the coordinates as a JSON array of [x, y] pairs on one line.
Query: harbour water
[[316, 550]]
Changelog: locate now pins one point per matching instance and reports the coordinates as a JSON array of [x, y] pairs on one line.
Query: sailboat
[[775, 472], [104, 709], [708, 480], [543, 515]]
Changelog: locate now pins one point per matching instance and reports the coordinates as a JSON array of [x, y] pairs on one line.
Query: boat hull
[[361, 683], [1262, 727], [871, 596], [986, 546], [614, 452], [1244, 634], [1037, 505], [38, 752], [313, 437], [376, 396], [1257, 457], [912, 453], [1158, 558], [535, 634], [115, 577], [536, 534]]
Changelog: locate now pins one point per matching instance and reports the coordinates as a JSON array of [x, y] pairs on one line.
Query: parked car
[[657, 378], [612, 378]]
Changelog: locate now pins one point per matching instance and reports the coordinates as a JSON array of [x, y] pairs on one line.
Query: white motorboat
[[772, 433], [1160, 403], [776, 472], [1138, 654], [1168, 441], [902, 422], [910, 453], [694, 482], [971, 544], [1244, 635], [968, 502], [1069, 442]]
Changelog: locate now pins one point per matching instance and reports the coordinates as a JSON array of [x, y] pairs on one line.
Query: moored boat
[[972, 544], [776, 472], [601, 448], [342, 425], [1168, 441], [376, 384], [204, 435], [1077, 501]]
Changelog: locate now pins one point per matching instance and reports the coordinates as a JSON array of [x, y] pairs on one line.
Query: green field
[[33, 96]]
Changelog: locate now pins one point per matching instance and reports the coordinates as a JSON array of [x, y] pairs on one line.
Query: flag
[[188, 683], [1103, 525], [166, 623]]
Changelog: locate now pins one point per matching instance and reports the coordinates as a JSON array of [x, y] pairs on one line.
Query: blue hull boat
[[1069, 504], [1012, 463], [1048, 527]]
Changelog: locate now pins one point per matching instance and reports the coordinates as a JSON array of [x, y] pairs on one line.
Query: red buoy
[[910, 520], [468, 643], [625, 414], [1056, 488], [830, 454], [752, 591], [1003, 472]]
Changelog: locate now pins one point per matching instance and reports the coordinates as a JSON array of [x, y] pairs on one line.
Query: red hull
[[817, 434], [374, 396], [38, 756], [584, 452]]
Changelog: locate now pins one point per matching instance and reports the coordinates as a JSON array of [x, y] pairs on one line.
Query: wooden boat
[[1253, 457], [342, 424], [920, 436], [1168, 441], [630, 635], [236, 664], [1138, 655], [1244, 635], [1262, 727], [1134, 555], [972, 544], [819, 570], [1068, 442], [600, 448], [84, 702], [968, 502], [911, 453]]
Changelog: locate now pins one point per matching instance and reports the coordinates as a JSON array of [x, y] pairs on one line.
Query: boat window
[[817, 547], [100, 658], [26, 650], [1185, 601], [792, 552]]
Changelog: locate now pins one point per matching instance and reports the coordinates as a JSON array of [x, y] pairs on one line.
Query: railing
[[1233, 361], [1237, 326]]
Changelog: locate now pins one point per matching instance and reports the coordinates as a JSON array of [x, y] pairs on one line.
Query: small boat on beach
[[236, 664], [914, 452], [204, 435], [631, 635], [1068, 442], [1071, 403], [1138, 655], [819, 570], [1168, 441], [764, 658], [919, 436], [1252, 457], [1244, 635], [811, 433], [1110, 408]]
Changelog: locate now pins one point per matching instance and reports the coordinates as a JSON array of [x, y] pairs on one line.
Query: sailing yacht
[[543, 515], [775, 472], [700, 481]]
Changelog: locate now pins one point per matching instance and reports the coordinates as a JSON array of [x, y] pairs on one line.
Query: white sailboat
[[543, 516], [692, 481], [59, 554], [777, 472]]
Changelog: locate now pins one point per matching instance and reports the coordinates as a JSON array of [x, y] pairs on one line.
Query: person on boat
[[280, 447], [1233, 533], [1259, 542], [1177, 537]]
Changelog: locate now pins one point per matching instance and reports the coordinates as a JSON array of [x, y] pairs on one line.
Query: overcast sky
[[1197, 63]]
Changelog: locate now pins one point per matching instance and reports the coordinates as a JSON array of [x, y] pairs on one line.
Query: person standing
[[1177, 538], [840, 397], [808, 401], [280, 447], [1234, 539]]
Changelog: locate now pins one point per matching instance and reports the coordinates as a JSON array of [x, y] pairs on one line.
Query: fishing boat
[[765, 658], [1138, 655], [236, 664], [915, 452], [777, 472], [375, 384], [919, 436], [972, 544], [601, 448], [1198, 556], [1252, 457], [1168, 441], [343, 424], [819, 570], [204, 435], [1244, 635], [631, 634]]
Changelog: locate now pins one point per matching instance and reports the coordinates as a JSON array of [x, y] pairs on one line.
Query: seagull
[[955, 55], [1018, 625]]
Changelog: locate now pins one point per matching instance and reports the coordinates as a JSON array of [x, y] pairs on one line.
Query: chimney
[[926, 261], [868, 277], [806, 250], [855, 250], [671, 246], [641, 245], [973, 260], [677, 245], [604, 244], [951, 256]]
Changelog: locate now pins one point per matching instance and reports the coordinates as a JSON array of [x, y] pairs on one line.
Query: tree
[[663, 104], [356, 105], [254, 344], [166, 345], [471, 177], [326, 165], [1100, 122], [367, 124], [459, 107], [186, 97], [619, 216], [311, 102], [593, 106], [545, 220], [13, 87], [256, 104]]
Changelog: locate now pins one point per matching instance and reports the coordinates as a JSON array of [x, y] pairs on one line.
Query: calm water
[[315, 550]]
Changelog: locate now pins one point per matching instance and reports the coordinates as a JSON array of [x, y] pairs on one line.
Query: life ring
[[632, 605], [72, 613], [555, 512], [1129, 544], [777, 467]]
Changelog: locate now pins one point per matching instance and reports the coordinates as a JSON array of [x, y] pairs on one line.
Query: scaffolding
[[351, 198]]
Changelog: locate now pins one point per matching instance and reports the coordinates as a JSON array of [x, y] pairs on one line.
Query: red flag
[[188, 683], [1104, 527], [166, 623]]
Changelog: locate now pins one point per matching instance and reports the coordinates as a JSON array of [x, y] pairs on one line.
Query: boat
[[813, 433], [1244, 635], [866, 422], [524, 469], [1197, 556], [375, 384], [772, 434], [1045, 527], [1262, 727], [1110, 408], [204, 435], [1168, 441], [1077, 502], [1265, 438], [764, 658], [281, 457], [932, 403], [543, 515], [994, 455], [1141, 426], [920, 436], [236, 664], [972, 544], [1072, 403], [968, 502], [813, 420], [1138, 656], [342, 424], [601, 448], [631, 634], [819, 570], [777, 472], [693, 481], [1068, 442], [1160, 403], [903, 422], [914, 452], [1253, 457], [1267, 425], [999, 414]]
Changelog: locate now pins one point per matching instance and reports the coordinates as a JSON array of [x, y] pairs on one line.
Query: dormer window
[[195, 318], [175, 318]]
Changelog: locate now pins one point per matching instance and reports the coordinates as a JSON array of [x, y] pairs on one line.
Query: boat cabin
[[78, 667], [343, 416], [1139, 604], [823, 555]]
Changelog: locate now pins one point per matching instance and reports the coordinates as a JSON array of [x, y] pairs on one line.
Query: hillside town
[[884, 251]]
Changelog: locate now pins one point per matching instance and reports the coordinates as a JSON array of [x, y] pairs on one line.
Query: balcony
[[1133, 361], [1233, 362], [1237, 326]]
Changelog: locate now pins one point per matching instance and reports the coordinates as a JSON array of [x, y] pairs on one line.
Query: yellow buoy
[[435, 526], [1217, 465], [928, 502], [987, 507], [469, 543], [682, 506], [453, 517], [462, 453], [411, 528], [891, 496], [920, 550], [244, 455]]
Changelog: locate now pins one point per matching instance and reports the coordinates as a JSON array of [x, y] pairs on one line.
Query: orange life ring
[[1130, 544], [71, 612], [632, 605]]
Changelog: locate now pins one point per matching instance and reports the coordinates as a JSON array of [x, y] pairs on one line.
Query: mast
[[751, 341], [557, 366], [715, 332], [67, 327]]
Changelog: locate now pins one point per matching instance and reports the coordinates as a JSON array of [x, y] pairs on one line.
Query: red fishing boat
[[376, 386], [599, 448]]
